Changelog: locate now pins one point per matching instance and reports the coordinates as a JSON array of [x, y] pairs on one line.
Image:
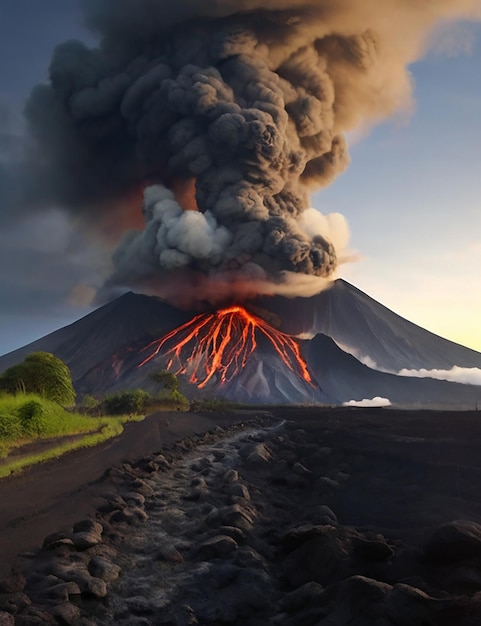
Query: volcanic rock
[[6, 619], [103, 568], [453, 542], [218, 546]]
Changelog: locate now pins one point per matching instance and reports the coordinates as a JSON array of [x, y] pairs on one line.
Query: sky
[[411, 194]]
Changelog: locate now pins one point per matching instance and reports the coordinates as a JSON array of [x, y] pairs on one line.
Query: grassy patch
[[106, 432], [25, 418]]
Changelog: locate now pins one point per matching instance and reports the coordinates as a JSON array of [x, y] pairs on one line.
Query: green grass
[[25, 418]]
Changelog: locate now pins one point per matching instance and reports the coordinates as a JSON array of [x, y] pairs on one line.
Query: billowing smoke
[[229, 113]]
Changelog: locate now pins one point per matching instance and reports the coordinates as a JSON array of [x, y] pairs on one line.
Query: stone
[[407, 606], [199, 489], [239, 490], [357, 600], [246, 557], [131, 516], [135, 498], [170, 554], [6, 619], [62, 591], [231, 476], [85, 540], [372, 549], [56, 540], [302, 597], [233, 515], [323, 510], [14, 602], [301, 470], [88, 525], [86, 534], [104, 569], [67, 613], [455, 541], [231, 531], [34, 616], [322, 555], [142, 487], [200, 464], [326, 482], [216, 547], [256, 454], [96, 587]]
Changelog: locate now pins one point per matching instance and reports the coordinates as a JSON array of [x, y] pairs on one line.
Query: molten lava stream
[[220, 343]]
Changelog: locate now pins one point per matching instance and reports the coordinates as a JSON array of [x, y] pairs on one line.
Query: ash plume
[[229, 113]]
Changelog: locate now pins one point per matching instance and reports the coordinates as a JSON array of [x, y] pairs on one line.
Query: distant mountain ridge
[[370, 331], [104, 350]]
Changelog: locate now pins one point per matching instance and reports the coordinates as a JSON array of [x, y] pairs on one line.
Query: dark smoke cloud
[[250, 99]]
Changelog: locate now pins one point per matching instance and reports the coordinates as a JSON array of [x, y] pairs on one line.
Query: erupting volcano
[[219, 345]]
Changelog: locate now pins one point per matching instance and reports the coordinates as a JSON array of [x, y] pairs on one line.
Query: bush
[[168, 380], [41, 373], [135, 401], [180, 400], [33, 417], [89, 402]]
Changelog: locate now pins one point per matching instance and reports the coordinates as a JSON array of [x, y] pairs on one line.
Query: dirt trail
[[53, 495]]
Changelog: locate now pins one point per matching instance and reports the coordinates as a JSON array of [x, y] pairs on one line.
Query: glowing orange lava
[[221, 343]]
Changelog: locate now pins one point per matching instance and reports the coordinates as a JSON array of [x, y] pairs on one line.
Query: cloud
[[373, 402], [463, 375]]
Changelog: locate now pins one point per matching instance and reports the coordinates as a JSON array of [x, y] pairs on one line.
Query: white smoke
[[463, 375], [373, 402]]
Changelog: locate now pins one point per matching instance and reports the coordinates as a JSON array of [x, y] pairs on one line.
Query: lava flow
[[221, 343]]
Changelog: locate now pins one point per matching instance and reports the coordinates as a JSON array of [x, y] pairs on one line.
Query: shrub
[[134, 401], [168, 380], [89, 402], [180, 400], [33, 417]]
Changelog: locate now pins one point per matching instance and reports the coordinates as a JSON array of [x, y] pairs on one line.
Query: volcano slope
[[312, 517], [105, 349]]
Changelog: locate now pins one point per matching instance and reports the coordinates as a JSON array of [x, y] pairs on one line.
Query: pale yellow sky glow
[[442, 296]]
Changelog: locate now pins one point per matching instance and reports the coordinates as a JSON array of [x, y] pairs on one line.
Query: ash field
[[292, 515]]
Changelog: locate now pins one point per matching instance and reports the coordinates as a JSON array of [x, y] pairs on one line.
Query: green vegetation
[[134, 401], [25, 418], [213, 404], [41, 373], [139, 401], [33, 395], [166, 379]]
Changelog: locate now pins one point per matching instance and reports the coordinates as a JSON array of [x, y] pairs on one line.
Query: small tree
[[41, 373], [168, 380]]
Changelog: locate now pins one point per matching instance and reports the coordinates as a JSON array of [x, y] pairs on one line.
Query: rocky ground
[[302, 517]]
